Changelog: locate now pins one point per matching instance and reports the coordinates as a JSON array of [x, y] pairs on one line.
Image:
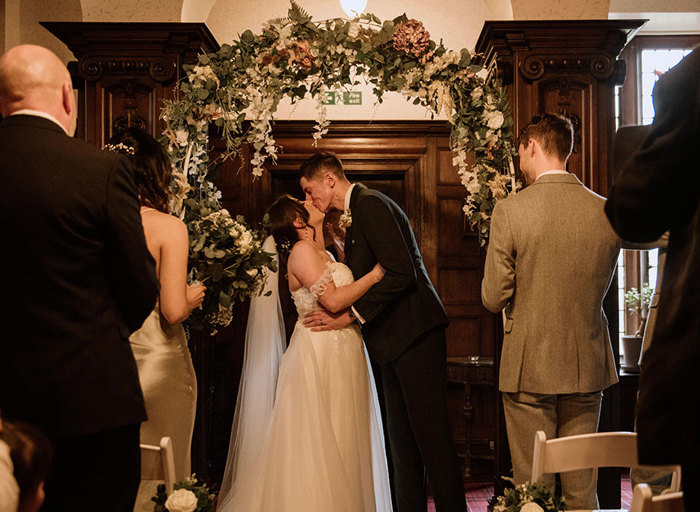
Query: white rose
[[494, 119], [181, 137], [477, 93], [183, 500], [245, 241], [531, 507], [252, 272]]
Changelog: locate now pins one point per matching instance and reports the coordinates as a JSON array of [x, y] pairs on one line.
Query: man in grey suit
[[550, 261]]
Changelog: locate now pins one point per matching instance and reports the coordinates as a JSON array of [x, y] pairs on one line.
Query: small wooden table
[[470, 371]]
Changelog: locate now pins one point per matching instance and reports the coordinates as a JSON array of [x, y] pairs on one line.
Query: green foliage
[[637, 303]]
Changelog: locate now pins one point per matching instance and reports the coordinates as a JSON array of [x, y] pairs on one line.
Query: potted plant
[[637, 304]]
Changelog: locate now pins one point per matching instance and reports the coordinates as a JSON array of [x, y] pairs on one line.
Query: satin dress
[[169, 389]]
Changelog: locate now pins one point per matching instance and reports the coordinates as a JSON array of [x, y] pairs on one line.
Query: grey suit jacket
[[551, 258]]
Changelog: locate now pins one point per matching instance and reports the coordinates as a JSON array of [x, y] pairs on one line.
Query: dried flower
[[411, 37], [303, 55]]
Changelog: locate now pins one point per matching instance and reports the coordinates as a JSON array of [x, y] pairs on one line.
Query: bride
[[320, 446]]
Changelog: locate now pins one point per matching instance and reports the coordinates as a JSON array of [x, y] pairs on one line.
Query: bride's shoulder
[[303, 249]]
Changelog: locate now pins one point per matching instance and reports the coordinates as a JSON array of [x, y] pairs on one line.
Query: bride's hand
[[322, 320], [378, 272], [195, 294]]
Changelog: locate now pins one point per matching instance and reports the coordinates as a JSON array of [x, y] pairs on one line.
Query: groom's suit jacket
[[551, 257], [404, 304], [77, 280]]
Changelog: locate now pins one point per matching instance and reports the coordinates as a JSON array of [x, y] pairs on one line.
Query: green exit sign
[[343, 98]]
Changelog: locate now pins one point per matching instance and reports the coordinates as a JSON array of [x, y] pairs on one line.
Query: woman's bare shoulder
[[164, 224]]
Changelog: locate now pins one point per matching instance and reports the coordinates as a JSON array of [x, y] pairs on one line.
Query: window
[[647, 58]]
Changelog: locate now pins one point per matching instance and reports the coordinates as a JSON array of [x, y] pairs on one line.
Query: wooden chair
[[587, 451], [157, 463], [643, 501]]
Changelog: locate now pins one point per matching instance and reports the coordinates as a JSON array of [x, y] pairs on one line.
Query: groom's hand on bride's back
[[323, 320]]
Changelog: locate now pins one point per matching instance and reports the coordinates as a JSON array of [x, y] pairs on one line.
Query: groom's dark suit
[[77, 280], [404, 330]]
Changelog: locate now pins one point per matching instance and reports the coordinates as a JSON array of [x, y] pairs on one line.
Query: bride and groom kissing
[[314, 440]]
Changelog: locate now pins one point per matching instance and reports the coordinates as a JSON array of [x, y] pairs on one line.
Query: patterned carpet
[[478, 494]]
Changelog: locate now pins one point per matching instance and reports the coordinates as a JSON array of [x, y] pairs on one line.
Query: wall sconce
[[353, 8]]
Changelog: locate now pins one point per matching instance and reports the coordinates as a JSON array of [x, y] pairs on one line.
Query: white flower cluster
[[322, 123], [437, 64], [200, 74], [262, 106]]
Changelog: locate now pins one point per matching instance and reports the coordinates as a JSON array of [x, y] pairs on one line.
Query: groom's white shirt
[[348, 194], [39, 113], [346, 206]]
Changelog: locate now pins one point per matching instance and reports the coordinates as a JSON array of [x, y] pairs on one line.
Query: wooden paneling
[[411, 162], [125, 70]]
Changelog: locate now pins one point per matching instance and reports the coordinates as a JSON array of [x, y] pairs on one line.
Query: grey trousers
[[558, 416]]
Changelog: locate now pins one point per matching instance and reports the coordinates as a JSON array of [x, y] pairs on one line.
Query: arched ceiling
[[458, 26], [131, 10]]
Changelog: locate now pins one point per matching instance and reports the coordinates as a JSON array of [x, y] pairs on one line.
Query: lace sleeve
[[320, 286]]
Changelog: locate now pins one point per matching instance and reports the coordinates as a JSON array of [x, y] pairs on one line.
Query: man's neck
[[341, 190], [549, 166], [39, 113]]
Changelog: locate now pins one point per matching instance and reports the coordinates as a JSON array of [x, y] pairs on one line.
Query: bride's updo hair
[[283, 212], [152, 168]]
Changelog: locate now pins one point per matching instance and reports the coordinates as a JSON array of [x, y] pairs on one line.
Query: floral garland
[[239, 88]]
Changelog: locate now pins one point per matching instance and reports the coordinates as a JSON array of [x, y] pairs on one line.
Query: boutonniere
[[345, 219]]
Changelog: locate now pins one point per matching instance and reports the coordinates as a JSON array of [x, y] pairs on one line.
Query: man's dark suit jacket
[[659, 190], [404, 304], [77, 280]]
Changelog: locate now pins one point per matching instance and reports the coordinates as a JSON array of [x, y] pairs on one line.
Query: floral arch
[[240, 87]]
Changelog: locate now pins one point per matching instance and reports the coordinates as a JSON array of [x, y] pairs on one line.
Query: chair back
[[158, 463], [587, 451], [643, 501]]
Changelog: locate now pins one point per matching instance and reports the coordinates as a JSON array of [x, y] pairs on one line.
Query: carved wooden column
[[125, 70], [569, 67]]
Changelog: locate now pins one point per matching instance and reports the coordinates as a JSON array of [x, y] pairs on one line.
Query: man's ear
[[330, 179], [67, 98], [532, 147]]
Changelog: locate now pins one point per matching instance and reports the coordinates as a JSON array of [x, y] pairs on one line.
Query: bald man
[[77, 280]]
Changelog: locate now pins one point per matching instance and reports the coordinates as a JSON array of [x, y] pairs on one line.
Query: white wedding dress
[[323, 446]]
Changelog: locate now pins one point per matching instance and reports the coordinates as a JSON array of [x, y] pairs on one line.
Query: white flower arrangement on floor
[[188, 496], [526, 497]]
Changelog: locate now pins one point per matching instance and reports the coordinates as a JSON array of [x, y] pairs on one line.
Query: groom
[[403, 324]]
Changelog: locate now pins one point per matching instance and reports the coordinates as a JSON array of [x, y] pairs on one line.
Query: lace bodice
[[306, 299]]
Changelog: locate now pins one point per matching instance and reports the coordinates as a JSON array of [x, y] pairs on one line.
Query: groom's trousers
[[415, 398]]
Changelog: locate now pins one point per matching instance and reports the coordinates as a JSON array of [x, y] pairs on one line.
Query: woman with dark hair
[[160, 347], [322, 447], [31, 454]]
